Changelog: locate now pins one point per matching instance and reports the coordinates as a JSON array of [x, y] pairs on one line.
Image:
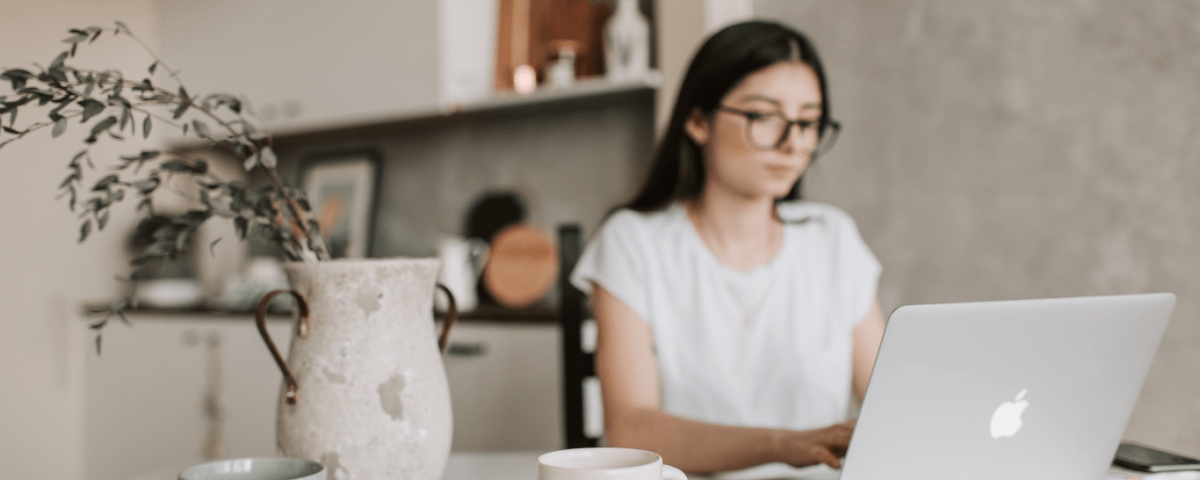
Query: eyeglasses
[[767, 131]]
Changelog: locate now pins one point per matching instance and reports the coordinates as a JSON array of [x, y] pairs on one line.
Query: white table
[[462, 466], [523, 466]]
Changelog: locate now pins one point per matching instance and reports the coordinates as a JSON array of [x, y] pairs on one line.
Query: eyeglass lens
[[769, 131]]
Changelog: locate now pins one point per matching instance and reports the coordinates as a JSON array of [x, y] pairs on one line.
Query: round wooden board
[[521, 267]]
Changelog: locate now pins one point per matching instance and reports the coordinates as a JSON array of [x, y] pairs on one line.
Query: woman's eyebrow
[[777, 103], [761, 98]]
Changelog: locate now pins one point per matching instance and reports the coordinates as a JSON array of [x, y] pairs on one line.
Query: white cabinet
[[145, 396], [307, 62], [506, 386], [144, 400]]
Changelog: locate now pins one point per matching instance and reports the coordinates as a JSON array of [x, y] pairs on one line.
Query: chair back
[[578, 365]]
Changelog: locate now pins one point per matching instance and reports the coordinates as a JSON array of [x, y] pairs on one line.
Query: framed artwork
[[342, 191]]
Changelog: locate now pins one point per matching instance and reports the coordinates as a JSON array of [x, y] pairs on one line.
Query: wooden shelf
[[583, 93]]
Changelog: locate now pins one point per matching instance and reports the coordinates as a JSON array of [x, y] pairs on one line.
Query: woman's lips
[[782, 170]]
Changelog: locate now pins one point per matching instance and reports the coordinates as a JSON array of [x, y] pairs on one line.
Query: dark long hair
[[677, 171]]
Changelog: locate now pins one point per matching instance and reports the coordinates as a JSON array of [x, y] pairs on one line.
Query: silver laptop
[[1029, 389]]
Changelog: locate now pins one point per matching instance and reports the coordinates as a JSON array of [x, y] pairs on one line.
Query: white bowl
[[267, 468]]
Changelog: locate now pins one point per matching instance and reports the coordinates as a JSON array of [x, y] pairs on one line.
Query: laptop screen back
[[1030, 389]]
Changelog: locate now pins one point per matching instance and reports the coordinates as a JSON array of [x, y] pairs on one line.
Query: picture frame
[[343, 189]]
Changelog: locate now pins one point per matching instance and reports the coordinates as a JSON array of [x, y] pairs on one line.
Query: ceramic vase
[[627, 43], [365, 389]]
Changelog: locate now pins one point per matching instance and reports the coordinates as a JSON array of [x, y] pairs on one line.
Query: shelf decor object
[[627, 43], [342, 193], [365, 389]]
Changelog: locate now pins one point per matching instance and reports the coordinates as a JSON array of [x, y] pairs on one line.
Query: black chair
[[578, 365]]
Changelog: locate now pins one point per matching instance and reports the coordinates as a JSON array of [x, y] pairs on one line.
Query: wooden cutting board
[[522, 266]]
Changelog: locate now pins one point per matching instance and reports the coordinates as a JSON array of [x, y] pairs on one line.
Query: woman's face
[[733, 159]]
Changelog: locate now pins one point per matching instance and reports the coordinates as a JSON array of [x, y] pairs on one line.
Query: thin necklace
[[759, 296]]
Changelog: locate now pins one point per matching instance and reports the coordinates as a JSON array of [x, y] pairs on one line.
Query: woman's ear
[[697, 127]]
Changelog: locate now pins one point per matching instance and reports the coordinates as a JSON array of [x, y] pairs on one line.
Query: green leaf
[[267, 157], [183, 107], [84, 230], [125, 118], [147, 186], [121, 315], [73, 39], [60, 126], [105, 182], [153, 66], [146, 127], [91, 108], [102, 221], [58, 61], [176, 165], [145, 86], [201, 129], [58, 74], [104, 125], [121, 25]]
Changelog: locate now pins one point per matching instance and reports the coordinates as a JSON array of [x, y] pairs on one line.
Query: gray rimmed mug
[[265, 468], [605, 463]]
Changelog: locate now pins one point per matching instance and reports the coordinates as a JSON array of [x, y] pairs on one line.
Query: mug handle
[[260, 317], [451, 317], [672, 473]]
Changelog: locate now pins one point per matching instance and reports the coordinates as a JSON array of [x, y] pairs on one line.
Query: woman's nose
[[797, 141]]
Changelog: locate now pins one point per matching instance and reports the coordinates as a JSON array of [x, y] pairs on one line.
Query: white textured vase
[[371, 399]]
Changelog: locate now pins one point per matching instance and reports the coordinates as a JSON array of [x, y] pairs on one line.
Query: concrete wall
[[45, 273], [1002, 150], [571, 162], [305, 62]]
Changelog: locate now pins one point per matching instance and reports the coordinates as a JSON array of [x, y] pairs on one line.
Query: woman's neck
[[742, 233]]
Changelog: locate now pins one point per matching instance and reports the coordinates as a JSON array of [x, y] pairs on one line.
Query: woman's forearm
[[694, 446]]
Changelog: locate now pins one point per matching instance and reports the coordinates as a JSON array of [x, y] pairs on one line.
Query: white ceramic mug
[[270, 468], [462, 260], [605, 463]]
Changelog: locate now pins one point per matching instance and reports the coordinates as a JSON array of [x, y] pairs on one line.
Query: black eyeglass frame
[[825, 139]]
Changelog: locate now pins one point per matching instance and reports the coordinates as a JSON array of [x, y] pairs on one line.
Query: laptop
[[1029, 389]]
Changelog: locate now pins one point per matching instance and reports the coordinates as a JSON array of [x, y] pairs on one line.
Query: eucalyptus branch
[[99, 100]]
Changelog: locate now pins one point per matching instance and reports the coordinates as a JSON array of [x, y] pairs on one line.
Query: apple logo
[[1007, 418]]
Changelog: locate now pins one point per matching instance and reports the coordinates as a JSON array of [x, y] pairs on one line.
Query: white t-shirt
[[771, 347]]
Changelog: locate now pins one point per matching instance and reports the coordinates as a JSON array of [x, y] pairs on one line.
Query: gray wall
[[1003, 150], [570, 160]]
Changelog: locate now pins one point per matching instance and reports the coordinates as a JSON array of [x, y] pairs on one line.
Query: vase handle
[[451, 317], [260, 316]]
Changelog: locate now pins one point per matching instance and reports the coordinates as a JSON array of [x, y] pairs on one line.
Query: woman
[[735, 321]]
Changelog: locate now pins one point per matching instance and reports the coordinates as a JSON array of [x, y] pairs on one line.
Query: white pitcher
[[365, 390]]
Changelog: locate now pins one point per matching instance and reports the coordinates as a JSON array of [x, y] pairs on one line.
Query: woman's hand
[[810, 447]]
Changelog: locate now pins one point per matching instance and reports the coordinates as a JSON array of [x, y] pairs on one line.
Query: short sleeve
[[858, 269], [616, 260]]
